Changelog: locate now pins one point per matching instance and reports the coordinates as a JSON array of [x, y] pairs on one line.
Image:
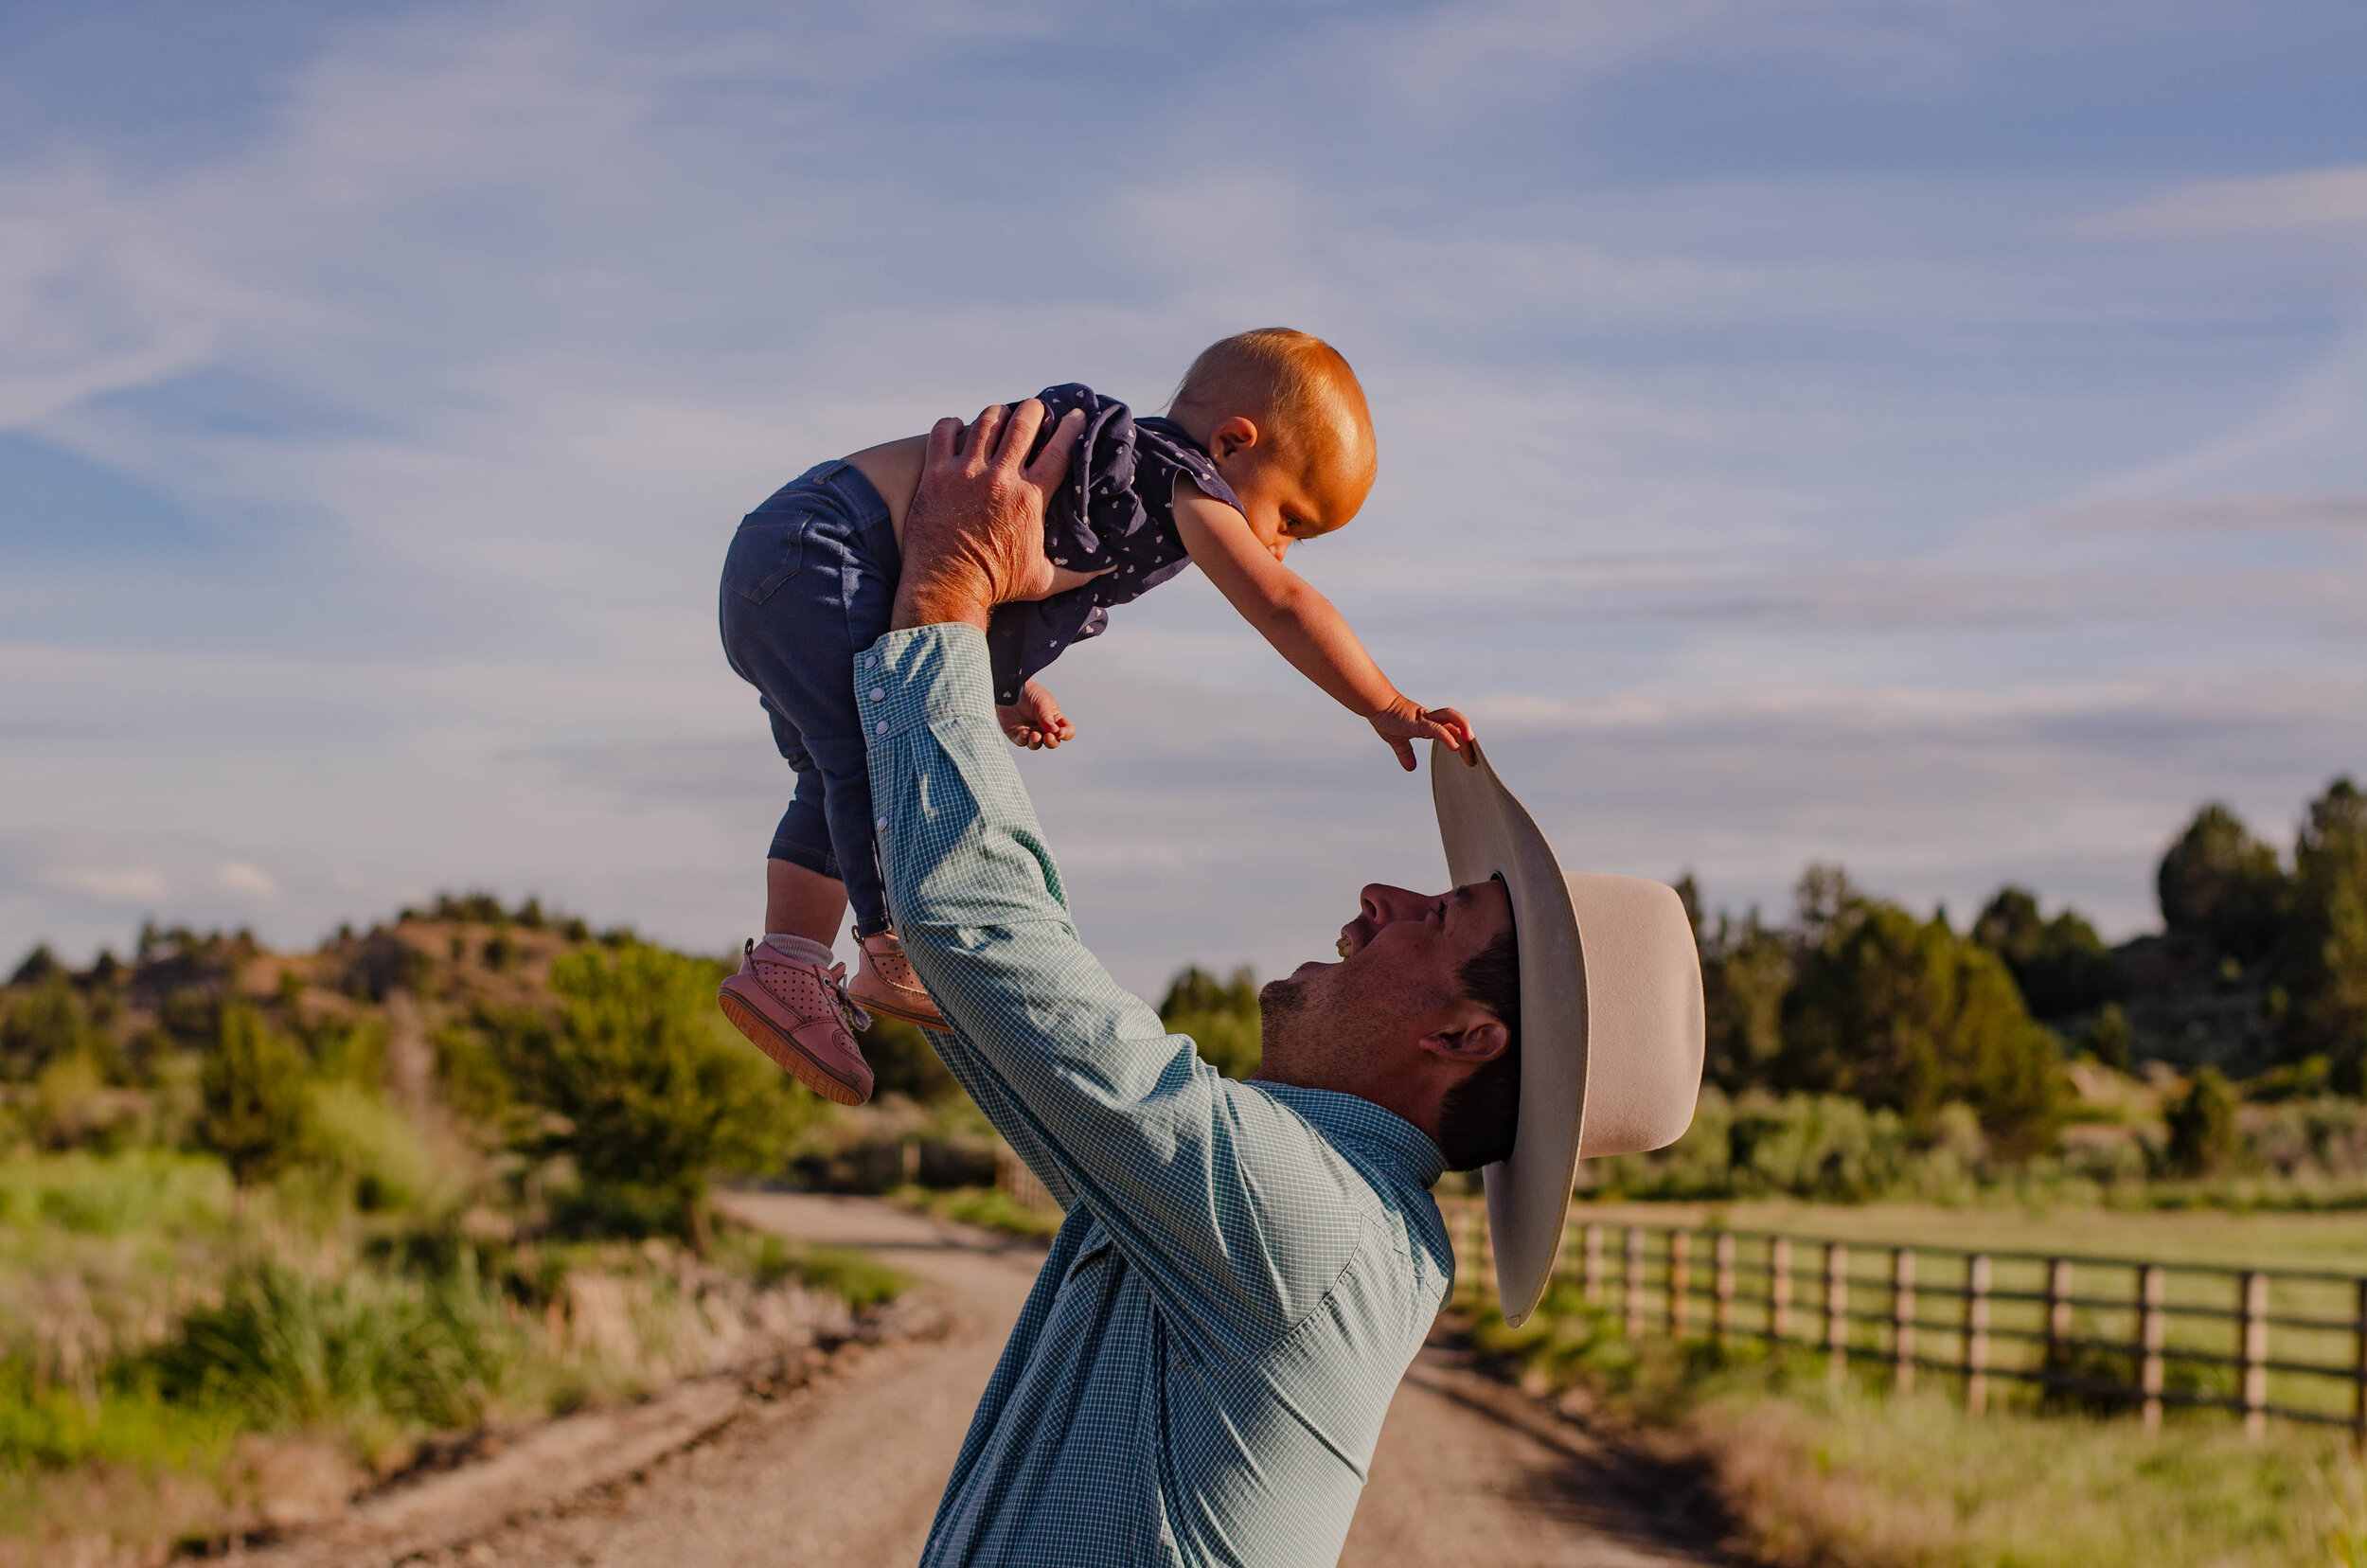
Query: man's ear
[[1481, 1037], [1235, 433]]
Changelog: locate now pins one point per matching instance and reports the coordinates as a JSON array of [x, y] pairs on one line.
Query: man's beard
[[1281, 1005], [1296, 1034]]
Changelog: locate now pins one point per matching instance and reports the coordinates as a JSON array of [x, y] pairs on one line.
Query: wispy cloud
[[2313, 201]]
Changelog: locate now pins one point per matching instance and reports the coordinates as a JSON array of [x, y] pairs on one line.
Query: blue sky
[[1921, 436]]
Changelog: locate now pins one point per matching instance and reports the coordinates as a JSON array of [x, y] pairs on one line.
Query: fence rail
[[2120, 1331]]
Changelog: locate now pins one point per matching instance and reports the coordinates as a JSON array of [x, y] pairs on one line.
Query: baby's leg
[[803, 893], [802, 904], [810, 578]]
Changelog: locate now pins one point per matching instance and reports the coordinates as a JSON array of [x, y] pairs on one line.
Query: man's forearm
[[932, 598]]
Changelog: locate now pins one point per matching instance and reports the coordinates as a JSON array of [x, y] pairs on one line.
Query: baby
[[1268, 443]]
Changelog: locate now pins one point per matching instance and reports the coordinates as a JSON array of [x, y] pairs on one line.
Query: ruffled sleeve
[[1116, 510]]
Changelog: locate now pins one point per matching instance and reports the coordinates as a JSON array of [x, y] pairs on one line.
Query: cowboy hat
[[1610, 1016]]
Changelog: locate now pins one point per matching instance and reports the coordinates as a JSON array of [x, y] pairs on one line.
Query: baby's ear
[[1235, 433]]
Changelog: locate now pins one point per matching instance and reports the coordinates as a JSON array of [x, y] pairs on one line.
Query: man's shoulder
[[1380, 1164]]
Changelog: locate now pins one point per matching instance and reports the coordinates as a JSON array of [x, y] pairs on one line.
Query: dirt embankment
[[844, 1468]]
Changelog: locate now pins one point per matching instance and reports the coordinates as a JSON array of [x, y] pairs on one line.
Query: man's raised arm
[[1077, 1074]]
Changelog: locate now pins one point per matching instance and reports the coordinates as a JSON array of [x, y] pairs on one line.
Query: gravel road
[[846, 1470]]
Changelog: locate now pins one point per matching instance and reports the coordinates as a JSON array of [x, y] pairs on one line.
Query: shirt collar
[[1350, 1118]]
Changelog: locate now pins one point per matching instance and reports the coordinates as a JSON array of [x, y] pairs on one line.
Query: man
[[1246, 1269]]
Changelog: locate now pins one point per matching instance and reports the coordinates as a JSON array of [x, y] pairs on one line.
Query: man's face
[[1327, 1025]]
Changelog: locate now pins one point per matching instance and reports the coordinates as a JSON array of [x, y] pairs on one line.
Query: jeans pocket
[[765, 553]]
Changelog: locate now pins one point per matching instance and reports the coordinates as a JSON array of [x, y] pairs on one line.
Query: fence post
[[2058, 1316], [1977, 1333], [2358, 1373], [1635, 1282], [1679, 1281], [1723, 1324], [1594, 1262], [1779, 1300], [2150, 1321], [2255, 1353], [1903, 1316], [1835, 1310]]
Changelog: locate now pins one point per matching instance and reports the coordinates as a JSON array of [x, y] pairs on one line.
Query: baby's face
[[1287, 500]]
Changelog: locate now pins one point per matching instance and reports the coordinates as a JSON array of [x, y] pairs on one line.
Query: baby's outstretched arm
[[1304, 627]]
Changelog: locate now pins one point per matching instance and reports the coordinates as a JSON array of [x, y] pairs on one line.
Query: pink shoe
[[886, 984], [797, 1013]]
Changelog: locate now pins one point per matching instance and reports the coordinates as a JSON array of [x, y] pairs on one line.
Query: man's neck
[[1414, 1102]]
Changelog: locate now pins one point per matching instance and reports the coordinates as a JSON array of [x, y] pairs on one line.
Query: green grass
[[148, 1192], [855, 1278], [51, 1427], [988, 1208]]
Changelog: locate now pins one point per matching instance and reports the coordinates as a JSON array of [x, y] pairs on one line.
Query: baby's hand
[[1405, 722], [1035, 721]]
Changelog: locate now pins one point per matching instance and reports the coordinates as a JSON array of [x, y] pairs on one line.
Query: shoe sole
[[929, 1020], [785, 1051]]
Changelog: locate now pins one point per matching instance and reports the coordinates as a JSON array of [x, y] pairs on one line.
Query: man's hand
[[1406, 721], [974, 537], [1035, 720]]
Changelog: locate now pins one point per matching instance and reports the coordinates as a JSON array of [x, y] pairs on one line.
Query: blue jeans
[[808, 584]]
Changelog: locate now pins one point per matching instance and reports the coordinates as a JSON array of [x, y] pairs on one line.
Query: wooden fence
[[2110, 1332]]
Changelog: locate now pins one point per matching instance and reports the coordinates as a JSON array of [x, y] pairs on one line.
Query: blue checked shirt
[[1246, 1269]]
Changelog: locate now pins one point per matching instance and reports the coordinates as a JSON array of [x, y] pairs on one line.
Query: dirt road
[[846, 1471]]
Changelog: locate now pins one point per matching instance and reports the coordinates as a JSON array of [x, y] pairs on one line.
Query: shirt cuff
[[909, 678]]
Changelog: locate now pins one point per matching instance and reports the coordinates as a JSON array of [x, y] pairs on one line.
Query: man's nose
[[1383, 903]]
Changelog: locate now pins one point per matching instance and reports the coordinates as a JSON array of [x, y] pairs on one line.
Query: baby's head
[[1285, 420]]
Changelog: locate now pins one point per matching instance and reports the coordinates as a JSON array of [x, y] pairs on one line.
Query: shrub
[[902, 1062], [648, 1090], [1824, 1146], [48, 1024], [1220, 1018], [255, 1097], [2202, 1126]]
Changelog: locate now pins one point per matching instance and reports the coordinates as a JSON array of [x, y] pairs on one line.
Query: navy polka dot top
[[1116, 507]]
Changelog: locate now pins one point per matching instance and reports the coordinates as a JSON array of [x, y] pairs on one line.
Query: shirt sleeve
[[1234, 1207]]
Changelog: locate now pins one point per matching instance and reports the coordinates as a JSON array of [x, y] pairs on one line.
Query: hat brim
[[1644, 1008]]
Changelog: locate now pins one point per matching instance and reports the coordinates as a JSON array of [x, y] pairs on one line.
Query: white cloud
[[245, 879], [115, 884], [2309, 202]]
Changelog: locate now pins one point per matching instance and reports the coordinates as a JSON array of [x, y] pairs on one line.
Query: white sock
[[798, 947]]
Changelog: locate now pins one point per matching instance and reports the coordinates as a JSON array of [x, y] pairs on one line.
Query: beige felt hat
[[1610, 1016]]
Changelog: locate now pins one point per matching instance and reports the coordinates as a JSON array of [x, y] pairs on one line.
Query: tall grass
[[368, 1350]]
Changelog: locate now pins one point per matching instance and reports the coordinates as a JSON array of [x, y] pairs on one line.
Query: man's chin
[[1289, 992]]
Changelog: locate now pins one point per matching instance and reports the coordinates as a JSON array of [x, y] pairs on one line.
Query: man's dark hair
[[1479, 1116]]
